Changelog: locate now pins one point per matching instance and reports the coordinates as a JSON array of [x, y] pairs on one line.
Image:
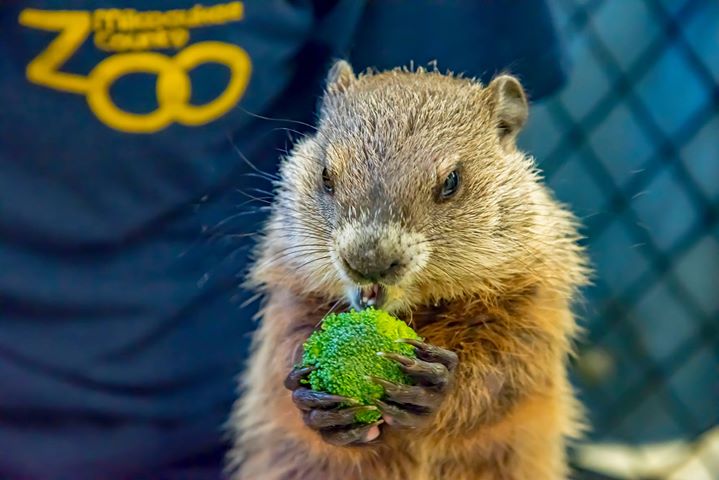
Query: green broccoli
[[344, 353]]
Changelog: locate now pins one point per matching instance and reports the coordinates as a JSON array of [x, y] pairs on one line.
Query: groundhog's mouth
[[372, 295]]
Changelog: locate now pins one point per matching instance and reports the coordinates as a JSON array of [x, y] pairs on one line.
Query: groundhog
[[412, 196]]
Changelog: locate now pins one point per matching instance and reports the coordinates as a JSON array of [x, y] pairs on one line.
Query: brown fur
[[502, 268]]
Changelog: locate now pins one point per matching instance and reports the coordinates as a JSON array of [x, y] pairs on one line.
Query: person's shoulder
[[476, 38]]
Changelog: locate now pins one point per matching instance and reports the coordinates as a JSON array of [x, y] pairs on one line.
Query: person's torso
[[121, 326], [125, 209]]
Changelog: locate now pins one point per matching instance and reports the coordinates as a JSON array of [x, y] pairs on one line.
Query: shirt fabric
[[126, 132]]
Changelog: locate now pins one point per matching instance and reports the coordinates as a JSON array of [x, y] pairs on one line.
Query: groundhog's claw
[[409, 394], [292, 381], [424, 373], [307, 399], [319, 419], [398, 417], [409, 406], [326, 413], [431, 353], [352, 436]]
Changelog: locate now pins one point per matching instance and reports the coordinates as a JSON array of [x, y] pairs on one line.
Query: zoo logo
[[173, 87]]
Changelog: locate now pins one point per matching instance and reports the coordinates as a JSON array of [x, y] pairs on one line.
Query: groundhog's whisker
[[271, 119], [266, 200], [304, 252], [271, 180], [267, 175], [253, 209], [330, 311], [224, 221], [264, 192], [301, 266], [288, 130], [307, 233]]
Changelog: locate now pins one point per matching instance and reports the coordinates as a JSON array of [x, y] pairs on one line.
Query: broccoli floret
[[344, 352]]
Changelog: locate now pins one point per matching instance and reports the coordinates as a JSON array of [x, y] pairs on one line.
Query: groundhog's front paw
[[323, 412], [411, 405]]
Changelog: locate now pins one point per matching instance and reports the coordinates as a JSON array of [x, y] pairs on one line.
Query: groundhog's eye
[[327, 183], [450, 185]]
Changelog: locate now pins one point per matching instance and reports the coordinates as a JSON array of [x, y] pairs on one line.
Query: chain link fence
[[632, 144]]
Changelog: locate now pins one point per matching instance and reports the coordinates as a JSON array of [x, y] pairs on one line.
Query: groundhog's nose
[[373, 268]]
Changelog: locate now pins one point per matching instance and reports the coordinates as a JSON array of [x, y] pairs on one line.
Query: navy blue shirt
[[125, 216]]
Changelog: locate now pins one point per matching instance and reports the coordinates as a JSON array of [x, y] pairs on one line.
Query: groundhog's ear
[[511, 108], [340, 77]]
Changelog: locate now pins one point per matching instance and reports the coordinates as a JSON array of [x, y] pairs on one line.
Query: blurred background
[[632, 144]]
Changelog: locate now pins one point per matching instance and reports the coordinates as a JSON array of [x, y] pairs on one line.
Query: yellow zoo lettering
[[173, 87], [74, 27]]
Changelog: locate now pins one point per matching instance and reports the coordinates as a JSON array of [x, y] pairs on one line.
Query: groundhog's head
[[411, 191]]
